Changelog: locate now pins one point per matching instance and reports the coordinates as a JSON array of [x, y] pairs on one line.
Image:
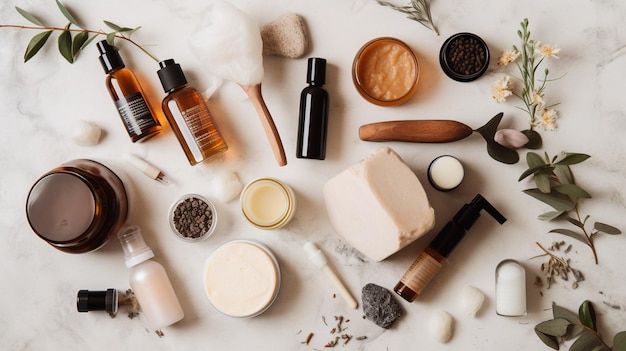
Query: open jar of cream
[[241, 278], [385, 71], [268, 203], [77, 206]]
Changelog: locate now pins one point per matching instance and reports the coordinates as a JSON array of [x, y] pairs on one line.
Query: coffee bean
[[192, 217], [466, 55]]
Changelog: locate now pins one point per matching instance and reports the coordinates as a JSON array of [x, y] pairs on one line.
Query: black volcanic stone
[[380, 306]]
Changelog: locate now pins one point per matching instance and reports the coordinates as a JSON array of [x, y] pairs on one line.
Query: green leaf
[[571, 234], [88, 41], [553, 327], [65, 44], [558, 201], [543, 182], [35, 44], [572, 158], [576, 222], [534, 160], [607, 229], [545, 169], [564, 174], [67, 14], [78, 42], [534, 139], [572, 190], [587, 315], [586, 342], [619, 341], [549, 340], [550, 215], [113, 26], [29, 16], [495, 150], [575, 328], [111, 38]]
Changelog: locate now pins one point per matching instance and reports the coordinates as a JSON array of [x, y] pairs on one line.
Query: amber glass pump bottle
[[189, 115], [313, 121], [126, 92]]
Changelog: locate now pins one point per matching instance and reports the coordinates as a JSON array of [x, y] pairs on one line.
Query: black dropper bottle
[[432, 258], [313, 121]]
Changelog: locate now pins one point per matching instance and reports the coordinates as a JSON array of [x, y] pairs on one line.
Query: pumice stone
[[379, 306]]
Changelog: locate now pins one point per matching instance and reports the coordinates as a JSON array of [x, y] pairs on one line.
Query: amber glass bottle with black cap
[[189, 115], [126, 92], [313, 121]]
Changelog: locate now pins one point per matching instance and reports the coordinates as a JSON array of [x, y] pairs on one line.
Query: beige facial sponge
[[285, 36]]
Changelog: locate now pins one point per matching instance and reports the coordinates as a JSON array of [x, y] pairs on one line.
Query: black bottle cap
[[109, 57], [469, 213], [171, 75], [316, 71], [97, 301]]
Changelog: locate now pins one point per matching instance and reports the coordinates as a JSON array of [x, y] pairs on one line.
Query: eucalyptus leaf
[[619, 341], [65, 44], [534, 160], [543, 168], [558, 201], [111, 38], [553, 327], [112, 25], [543, 182], [572, 158], [587, 315], [564, 174], [35, 44], [607, 229], [78, 42], [67, 14], [88, 41], [534, 139], [572, 190], [576, 222], [575, 328], [572, 234], [550, 215], [585, 342], [549, 340], [29, 16]]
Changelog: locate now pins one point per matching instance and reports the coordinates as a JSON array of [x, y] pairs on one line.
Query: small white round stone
[[441, 325], [85, 133]]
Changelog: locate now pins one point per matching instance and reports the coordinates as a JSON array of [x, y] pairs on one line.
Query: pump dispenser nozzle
[[433, 257]]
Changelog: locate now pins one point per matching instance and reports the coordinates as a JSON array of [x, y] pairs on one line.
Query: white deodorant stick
[[510, 289]]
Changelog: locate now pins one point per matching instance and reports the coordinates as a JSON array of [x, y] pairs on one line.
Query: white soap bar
[[441, 326], [378, 205]]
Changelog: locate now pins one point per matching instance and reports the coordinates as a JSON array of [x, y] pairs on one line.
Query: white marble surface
[[43, 98]]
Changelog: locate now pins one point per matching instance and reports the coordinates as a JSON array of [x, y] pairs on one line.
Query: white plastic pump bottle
[[149, 281]]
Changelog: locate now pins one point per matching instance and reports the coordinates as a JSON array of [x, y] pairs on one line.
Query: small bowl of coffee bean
[[464, 57], [193, 218]]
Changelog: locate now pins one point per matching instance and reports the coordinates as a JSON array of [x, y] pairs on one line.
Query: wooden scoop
[[416, 131], [254, 93]]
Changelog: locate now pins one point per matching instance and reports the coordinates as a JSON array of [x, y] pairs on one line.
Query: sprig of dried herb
[[71, 41], [556, 187], [418, 10], [558, 267], [567, 325]]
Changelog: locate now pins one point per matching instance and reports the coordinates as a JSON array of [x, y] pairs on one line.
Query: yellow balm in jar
[[385, 71], [268, 203]]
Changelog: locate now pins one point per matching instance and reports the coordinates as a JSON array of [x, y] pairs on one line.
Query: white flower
[[546, 50], [501, 89], [537, 98], [546, 119], [507, 57]]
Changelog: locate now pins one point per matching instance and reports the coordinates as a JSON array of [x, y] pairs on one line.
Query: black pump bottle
[[313, 122]]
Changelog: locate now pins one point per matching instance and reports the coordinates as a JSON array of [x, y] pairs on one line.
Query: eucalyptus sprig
[[556, 187], [567, 325], [71, 41], [418, 10]]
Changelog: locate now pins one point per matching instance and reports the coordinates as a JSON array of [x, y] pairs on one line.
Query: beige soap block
[[378, 205]]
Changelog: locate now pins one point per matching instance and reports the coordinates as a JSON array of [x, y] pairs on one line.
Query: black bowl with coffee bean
[[193, 218], [464, 57]]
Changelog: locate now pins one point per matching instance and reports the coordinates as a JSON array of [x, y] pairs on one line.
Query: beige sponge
[[285, 36]]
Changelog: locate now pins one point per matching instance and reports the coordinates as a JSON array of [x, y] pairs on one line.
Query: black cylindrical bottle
[[313, 122]]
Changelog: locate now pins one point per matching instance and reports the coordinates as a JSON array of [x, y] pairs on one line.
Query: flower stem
[[97, 32]]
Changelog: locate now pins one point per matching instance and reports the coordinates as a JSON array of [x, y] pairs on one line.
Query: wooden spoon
[[254, 93]]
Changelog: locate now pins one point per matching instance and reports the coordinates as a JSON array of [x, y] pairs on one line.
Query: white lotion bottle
[[149, 281]]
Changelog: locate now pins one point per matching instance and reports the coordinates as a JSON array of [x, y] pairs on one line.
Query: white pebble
[[510, 138], [441, 326], [471, 300], [227, 186], [85, 133]]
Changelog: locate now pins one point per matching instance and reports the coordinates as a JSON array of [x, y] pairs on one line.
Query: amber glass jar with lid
[[77, 206]]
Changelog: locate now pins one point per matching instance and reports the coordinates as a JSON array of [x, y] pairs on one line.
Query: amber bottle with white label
[[189, 115], [127, 94]]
